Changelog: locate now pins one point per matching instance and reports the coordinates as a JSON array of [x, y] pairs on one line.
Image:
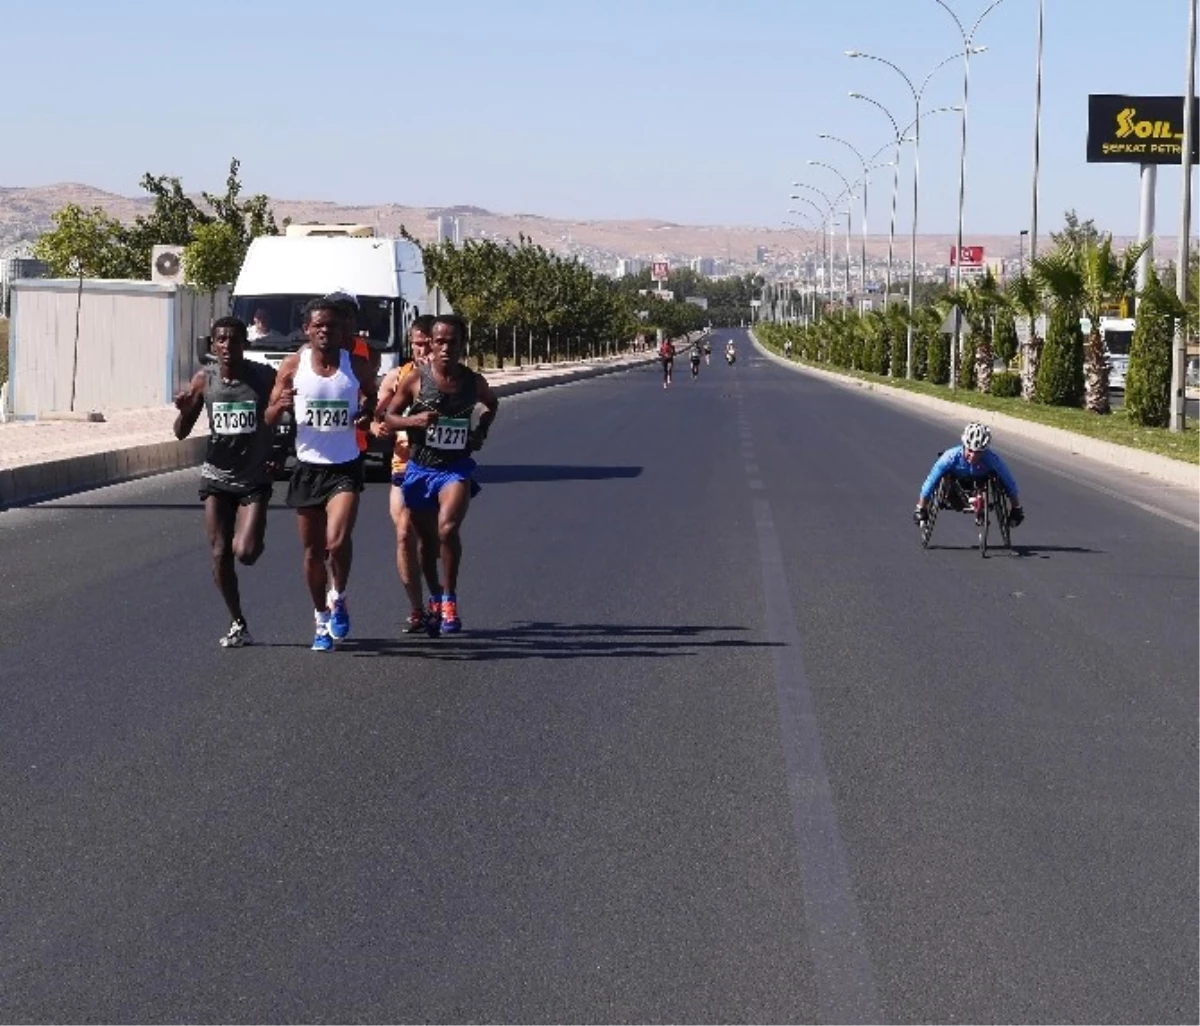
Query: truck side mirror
[[203, 351]]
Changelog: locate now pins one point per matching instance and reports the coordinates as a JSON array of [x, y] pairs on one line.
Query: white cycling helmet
[[976, 436]]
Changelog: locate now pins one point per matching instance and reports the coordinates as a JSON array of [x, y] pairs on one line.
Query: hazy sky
[[697, 111]]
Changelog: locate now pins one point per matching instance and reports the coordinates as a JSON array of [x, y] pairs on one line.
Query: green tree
[[1060, 368], [213, 257], [1075, 232], [1106, 280], [1025, 297], [82, 244], [1148, 380]]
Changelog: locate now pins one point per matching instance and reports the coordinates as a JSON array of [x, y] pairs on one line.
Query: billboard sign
[[1138, 129], [972, 256], [660, 270]]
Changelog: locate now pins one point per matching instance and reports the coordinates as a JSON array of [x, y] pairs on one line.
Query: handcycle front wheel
[[931, 512], [999, 502]]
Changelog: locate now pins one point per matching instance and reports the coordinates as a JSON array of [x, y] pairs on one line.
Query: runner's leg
[[250, 531], [453, 501], [407, 564], [341, 511], [312, 537], [220, 512]]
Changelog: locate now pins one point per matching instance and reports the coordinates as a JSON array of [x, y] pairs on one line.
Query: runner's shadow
[[548, 640], [509, 473], [1018, 551]]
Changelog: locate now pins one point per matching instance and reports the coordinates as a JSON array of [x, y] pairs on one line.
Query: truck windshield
[[277, 322]]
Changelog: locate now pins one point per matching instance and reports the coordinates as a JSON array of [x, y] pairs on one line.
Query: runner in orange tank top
[[407, 562]]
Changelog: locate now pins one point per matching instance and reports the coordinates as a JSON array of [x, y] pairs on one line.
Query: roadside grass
[[1116, 427]]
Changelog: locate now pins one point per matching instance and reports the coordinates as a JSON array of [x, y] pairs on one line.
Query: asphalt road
[[720, 743]]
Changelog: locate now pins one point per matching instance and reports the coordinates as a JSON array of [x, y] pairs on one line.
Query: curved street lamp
[[917, 94], [969, 48]]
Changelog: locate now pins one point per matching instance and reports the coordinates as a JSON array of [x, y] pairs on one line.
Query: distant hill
[[26, 212]]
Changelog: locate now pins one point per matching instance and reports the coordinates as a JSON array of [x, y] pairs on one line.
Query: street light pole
[[1179, 350], [1037, 131], [829, 221], [850, 195], [862, 261], [912, 246], [887, 288], [968, 40]]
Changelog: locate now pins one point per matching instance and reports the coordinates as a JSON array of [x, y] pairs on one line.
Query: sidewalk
[[43, 458]]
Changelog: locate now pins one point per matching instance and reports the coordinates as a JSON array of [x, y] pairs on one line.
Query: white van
[[281, 273]]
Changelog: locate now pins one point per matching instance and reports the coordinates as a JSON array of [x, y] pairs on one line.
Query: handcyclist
[[730, 352], [696, 360], [407, 561], [666, 353], [235, 479], [436, 406], [323, 382], [967, 466]]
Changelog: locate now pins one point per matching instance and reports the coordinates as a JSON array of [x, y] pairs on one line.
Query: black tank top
[[239, 439], [447, 441]]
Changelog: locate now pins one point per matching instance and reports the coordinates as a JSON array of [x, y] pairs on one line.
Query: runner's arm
[[369, 386], [284, 390], [404, 396], [935, 475], [189, 402]]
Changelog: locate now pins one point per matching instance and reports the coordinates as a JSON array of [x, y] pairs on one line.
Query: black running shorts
[[243, 496], [314, 484]]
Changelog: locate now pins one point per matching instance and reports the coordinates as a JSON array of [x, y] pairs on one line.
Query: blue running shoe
[[339, 620], [451, 624], [322, 641]]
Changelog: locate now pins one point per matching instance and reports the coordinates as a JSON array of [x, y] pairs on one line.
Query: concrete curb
[[1135, 461], [37, 482]]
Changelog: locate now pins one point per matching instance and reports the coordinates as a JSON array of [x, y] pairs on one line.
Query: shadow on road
[[1040, 551], [508, 473], [548, 640]]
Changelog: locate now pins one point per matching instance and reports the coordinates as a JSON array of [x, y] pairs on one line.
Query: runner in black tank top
[[235, 480], [437, 409]]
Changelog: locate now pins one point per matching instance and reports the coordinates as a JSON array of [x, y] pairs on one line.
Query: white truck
[[281, 273]]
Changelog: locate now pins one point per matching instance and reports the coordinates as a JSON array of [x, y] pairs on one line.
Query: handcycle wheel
[[983, 528], [999, 500], [932, 511]]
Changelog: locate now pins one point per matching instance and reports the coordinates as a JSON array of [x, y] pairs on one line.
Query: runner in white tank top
[[325, 410], [322, 382]]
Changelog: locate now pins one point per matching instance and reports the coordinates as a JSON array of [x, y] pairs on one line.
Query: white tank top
[[325, 411]]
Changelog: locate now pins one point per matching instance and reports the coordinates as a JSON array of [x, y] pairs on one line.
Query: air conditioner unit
[[166, 265]]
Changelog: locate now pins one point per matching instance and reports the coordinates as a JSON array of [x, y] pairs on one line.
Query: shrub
[[1006, 385]]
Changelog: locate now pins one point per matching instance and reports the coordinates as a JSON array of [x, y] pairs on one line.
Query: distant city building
[[704, 265], [449, 229], [628, 267], [760, 255]]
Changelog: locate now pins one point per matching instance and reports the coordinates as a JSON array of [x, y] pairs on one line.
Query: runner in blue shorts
[[437, 407]]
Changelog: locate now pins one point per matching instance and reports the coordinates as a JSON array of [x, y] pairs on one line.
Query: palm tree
[[1025, 297], [1105, 280], [979, 302], [1060, 368]]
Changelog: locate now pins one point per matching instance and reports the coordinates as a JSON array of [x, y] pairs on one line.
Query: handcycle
[[986, 500]]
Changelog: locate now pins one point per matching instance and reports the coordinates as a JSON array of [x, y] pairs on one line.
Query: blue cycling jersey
[[953, 462]]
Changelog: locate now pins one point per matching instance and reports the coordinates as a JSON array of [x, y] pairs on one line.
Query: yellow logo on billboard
[[1127, 126]]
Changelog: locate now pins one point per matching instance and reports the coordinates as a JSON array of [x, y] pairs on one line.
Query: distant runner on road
[[235, 479], [666, 353]]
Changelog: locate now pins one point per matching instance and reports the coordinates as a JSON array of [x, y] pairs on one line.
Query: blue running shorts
[[422, 485]]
